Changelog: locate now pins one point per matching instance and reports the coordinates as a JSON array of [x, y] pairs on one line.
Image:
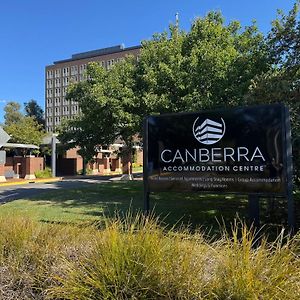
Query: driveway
[[14, 192]]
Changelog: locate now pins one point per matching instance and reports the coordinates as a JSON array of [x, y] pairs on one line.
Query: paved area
[[21, 190], [18, 191]]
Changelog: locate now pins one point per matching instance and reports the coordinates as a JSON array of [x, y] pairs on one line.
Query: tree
[[210, 66], [107, 105], [94, 125], [12, 113], [21, 129], [280, 82], [176, 72], [25, 131], [32, 109]]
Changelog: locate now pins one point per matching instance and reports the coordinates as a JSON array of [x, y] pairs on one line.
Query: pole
[[53, 157], [145, 168], [254, 210], [289, 173]]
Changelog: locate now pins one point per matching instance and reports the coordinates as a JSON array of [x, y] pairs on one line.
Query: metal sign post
[[254, 210], [145, 168], [53, 157], [289, 172]]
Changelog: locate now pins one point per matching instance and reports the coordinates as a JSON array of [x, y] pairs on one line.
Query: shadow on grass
[[93, 201]]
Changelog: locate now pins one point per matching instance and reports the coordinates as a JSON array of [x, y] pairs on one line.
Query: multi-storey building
[[61, 73]]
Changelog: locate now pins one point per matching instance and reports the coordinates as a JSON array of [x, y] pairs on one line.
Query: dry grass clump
[[135, 258]]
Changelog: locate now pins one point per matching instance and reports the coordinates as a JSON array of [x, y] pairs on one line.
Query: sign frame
[[253, 196]]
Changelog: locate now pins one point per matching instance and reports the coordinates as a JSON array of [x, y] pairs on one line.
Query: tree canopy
[[281, 81], [107, 105], [212, 65], [22, 129], [12, 113], [32, 109]]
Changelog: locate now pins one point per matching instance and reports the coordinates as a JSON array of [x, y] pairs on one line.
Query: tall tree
[[22, 129], [280, 83], [94, 125], [25, 131], [12, 113], [210, 66], [107, 105], [32, 109]]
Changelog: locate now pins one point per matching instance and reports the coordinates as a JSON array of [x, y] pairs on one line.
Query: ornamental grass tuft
[[135, 257]]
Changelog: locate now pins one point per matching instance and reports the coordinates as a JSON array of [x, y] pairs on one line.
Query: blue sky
[[34, 33]]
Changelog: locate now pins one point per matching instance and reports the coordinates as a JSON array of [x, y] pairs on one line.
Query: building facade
[[61, 73]]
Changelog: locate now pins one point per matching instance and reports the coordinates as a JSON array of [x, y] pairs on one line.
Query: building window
[[57, 73], [110, 63], [49, 84], [49, 101], [66, 71], [49, 93], [57, 92], [57, 82], [82, 68], [49, 112], [57, 101], [65, 101], [65, 110], [66, 81], [49, 74], [74, 70]]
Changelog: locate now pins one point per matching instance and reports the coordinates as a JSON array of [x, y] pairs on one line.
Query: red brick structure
[[2, 177], [23, 167]]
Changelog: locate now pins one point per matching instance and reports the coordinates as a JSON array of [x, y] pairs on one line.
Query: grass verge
[[99, 201]]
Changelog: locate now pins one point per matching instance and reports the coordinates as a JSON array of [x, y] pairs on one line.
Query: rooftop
[[98, 52]]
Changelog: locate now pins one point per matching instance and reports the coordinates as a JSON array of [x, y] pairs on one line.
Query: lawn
[[137, 258], [102, 200]]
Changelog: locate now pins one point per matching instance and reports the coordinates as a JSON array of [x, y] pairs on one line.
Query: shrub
[[46, 173], [88, 172]]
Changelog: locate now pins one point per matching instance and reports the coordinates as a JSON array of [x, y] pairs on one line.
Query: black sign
[[241, 150]]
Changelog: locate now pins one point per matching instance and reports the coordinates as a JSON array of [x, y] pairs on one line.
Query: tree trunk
[[130, 163]]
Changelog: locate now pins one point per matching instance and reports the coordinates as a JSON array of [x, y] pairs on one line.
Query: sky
[[35, 33]]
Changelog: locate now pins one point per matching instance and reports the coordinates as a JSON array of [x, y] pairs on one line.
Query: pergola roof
[[23, 146]]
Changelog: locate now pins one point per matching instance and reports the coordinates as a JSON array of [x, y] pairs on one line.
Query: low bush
[[88, 172], [46, 173], [136, 258]]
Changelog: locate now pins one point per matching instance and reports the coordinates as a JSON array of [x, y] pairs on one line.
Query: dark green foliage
[[22, 129], [208, 67], [32, 109], [280, 83]]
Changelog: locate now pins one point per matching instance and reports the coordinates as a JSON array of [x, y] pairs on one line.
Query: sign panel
[[4, 137], [240, 150]]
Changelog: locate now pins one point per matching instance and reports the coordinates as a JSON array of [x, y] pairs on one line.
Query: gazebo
[[19, 166]]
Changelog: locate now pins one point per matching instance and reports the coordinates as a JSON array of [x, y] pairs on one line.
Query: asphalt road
[[9, 193]]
